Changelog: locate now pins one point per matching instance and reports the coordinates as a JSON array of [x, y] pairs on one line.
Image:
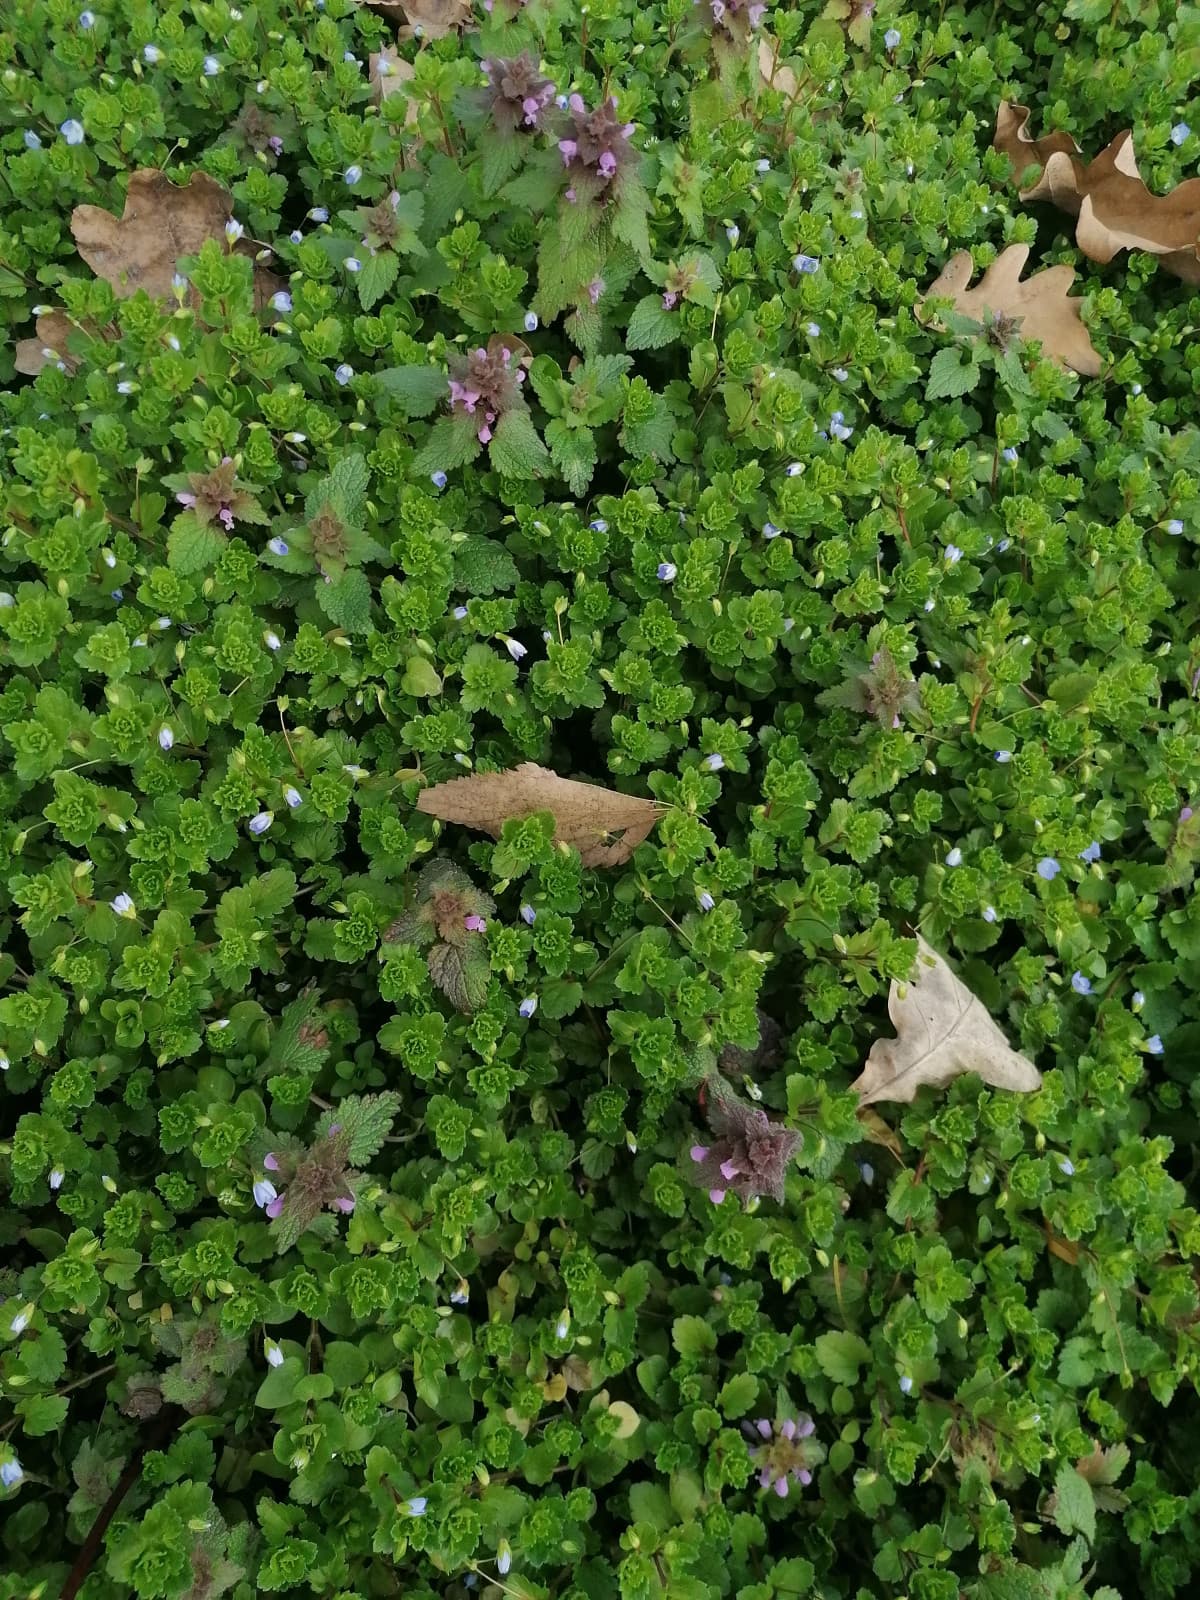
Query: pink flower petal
[[699, 1152]]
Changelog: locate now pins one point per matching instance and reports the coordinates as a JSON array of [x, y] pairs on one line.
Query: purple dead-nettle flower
[[261, 822], [515, 649], [264, 1192], [806, 264], [669, 299], [784, 1452], [1048, 869], [735, 20], [271, 1161], [344, 1203], [474, 923], [597, 148], [275, 145], [667, 571], [517, 94], [750, 1154], [1080, 984], [705, 900], [487, 384], [528, 1006], [595, 289], [1175, 527]]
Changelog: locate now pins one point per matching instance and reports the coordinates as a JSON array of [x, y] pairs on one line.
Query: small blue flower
[[87, 19], [1175, 527], [1067, 1167], [1154, 1045], [1179, 133], [762, 165], [1003, 756], [837, 426], [515, 648], [165, 738], [261, 822], [891, 39], [72, 131], [733, 233], [989, 913], [1003, 545], [840, 374], [1091, 852], [438, 479], [32, 142], [344, 373], [1009, 455], [349, 57], [353, 264], [531, 321], [866, 1171], [459, 613], [460, 1293], [705, 900], [770, 531], [1080, 984], [233, 230], [352, 174], [211, 66], [11, 1472], [807, 264], [714, 762], [954, 858], [56, 1177], [151, 53], [264, 1192], [528, 1006], [953, 555], [319, 214], [906, 1384], [296, 236], [416, 1506], [123, 906], [282, 301], [528, 915], [273, 1353], [272, 640], [812, 329], [1048, 869], [503, 1558], [667, 571], [1139, 999], [293, 797], [277, 546], [795, 468], [598, 525]]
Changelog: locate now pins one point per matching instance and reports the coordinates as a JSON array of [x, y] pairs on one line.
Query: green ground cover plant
[[394, 396]]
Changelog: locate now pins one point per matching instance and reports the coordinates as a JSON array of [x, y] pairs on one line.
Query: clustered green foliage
[[332, 1264]]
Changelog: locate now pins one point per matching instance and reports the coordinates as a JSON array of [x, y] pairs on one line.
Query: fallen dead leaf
[[50, 344], [389, 73], [1108, 196], [775, 73], [1062, 1248], [877, 1131], [427, 19], [603, 825], [578, 1374], [942, 1031], [627, 1419], [1041, 304]]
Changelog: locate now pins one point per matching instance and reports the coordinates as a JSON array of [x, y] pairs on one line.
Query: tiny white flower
[[19, 1323], [352, 174], [211, 66], [271, 639], [166, 738], [233, 230], [56, 1177], [123, 905], [344, 373], [353, 264], [273, 1353], [72, 131], [151, 53], [515, 649], [954, 859]]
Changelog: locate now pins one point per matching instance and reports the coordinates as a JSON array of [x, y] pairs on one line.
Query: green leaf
[[793, 1575], [42, 1413], [840, 1354], [692, 1336], [463, 975], [574, 454], [738, 1394], [279, 1385], [484, 566], [192, 546], [651, 325], [516, 451], [650, 1503], [420, 678], [347, 483], [451, 443], [376, 277], [950, 375], [347, 603], [365, 1119], [417, 390], [1074, 1505]]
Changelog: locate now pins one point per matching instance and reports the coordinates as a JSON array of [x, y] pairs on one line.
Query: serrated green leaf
[[484, 566], [417, 390], [651, 325], [193, 546], [376, 276], [453, 442], [573, 451], [1074, 1505], [347, 602], [515, 449], [420, 677], [692, 1336], [841, 1354], [950, 375]]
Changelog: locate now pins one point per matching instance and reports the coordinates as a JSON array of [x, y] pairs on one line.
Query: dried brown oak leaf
[[943, 1030], [603, 825], [1115, 209], [427, 19], [1041, 304], [162, 221], [50, 344], [775, 73]]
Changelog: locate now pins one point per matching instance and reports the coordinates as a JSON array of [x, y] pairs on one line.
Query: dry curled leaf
[[1108, 196], [603, 825], [50, 344], [427, 19], [775, 74], [389, 73], [942, 1031], [877, 1131], [1040, 305]]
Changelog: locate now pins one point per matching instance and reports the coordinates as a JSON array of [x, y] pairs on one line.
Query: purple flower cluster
[[487, 385], [785, 1454], [736, 18], [517, 93], [596, 149], [750, 1154]]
